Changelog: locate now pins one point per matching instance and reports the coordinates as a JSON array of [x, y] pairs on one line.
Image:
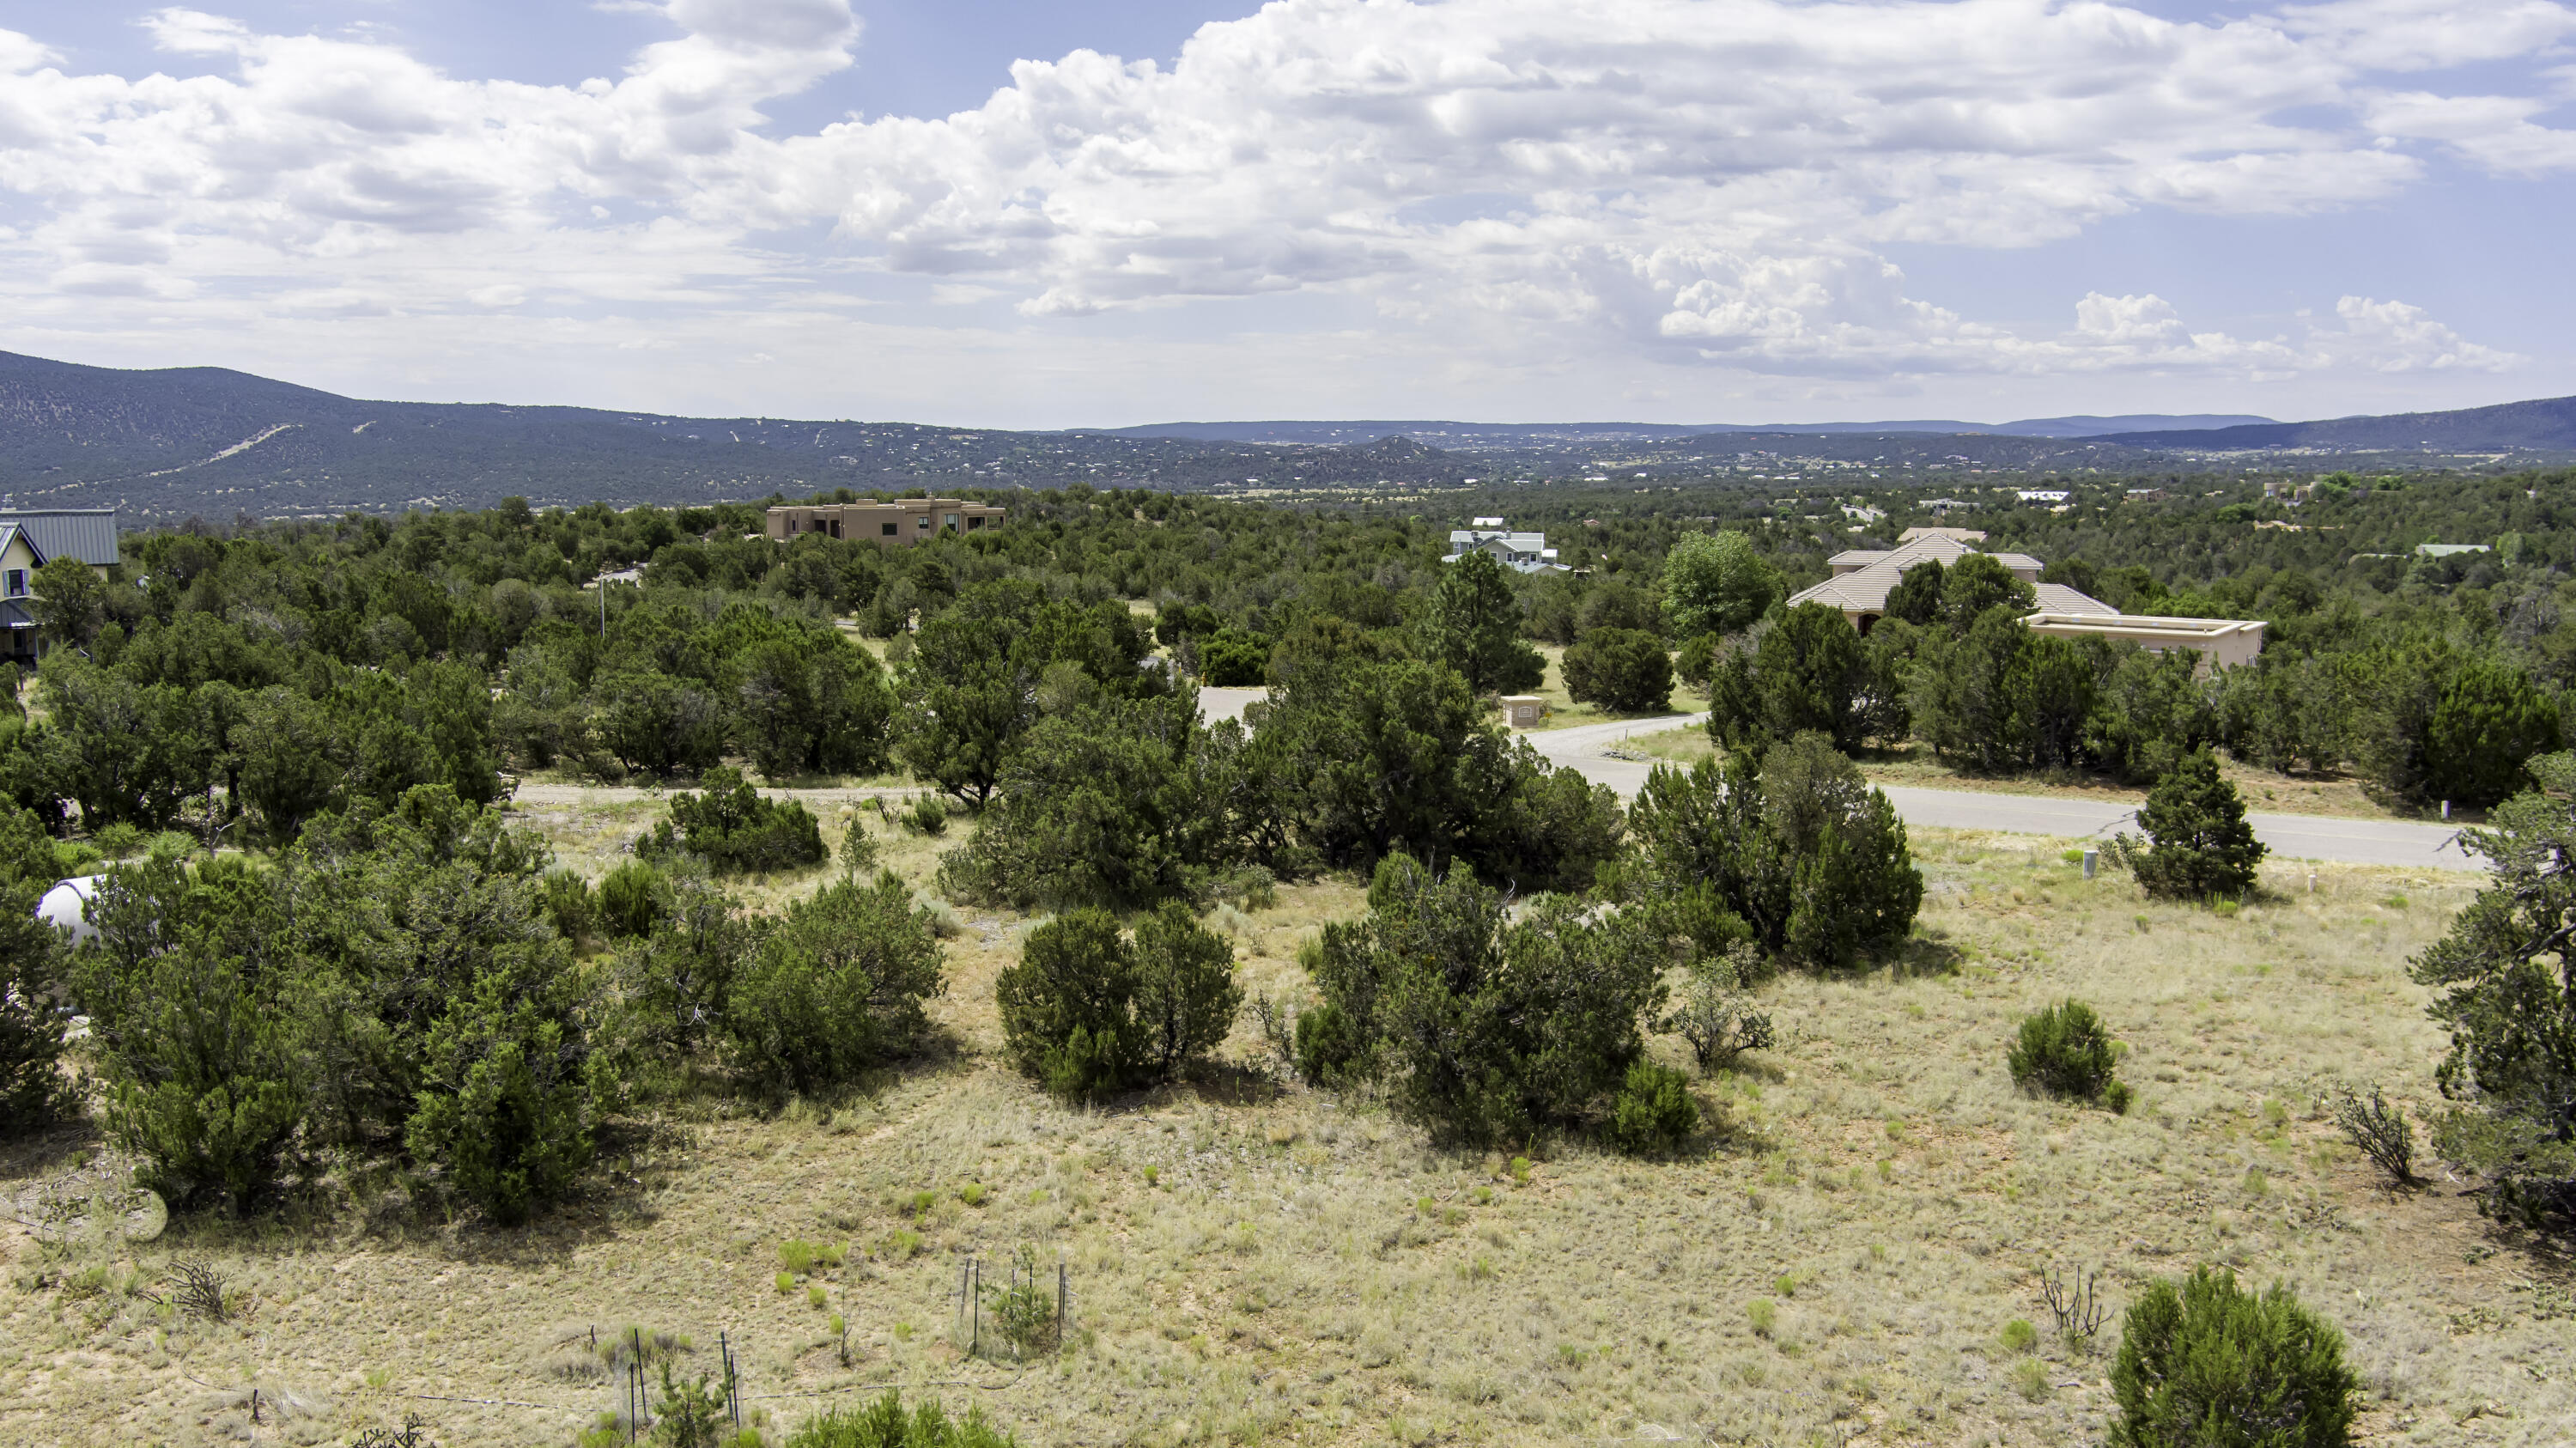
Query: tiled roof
[[2058, 598], [1864, 589]]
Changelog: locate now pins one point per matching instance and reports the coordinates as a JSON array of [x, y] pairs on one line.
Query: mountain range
[[1472, 436], [208, 441]]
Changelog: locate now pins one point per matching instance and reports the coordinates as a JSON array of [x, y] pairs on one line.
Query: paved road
[[2295, 837]]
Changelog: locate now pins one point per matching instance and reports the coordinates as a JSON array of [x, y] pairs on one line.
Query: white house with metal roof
[[1520, 552]]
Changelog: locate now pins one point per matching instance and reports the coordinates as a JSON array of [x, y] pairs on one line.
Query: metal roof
[[88, 534]]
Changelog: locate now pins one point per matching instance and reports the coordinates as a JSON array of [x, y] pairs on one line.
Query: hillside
[[206, 441], [211, 441], [1509, 436], [2543, 425]]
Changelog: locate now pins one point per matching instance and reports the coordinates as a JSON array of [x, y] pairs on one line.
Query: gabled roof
[[9, 531], [88, 534]]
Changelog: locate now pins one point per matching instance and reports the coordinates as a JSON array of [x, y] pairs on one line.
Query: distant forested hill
[[210, 441], [2547, 425]]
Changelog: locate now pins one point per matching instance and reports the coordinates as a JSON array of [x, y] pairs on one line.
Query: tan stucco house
[[1862, 579], [898, 524]]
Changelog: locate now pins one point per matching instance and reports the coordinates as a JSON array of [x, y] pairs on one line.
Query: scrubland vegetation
[[1870, 1205], [1363, 1076]]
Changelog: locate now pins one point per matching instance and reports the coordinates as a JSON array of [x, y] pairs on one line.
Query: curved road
[[2295, 837]]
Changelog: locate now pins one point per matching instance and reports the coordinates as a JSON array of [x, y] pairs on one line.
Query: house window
[[922, 522], [974, 523], [890, 530], [952, 520], [17, 583]]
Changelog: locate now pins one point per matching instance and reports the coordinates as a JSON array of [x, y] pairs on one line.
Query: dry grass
[[1251, 1261]]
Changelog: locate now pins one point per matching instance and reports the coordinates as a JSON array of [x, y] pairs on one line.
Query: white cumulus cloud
[[1699, 184]]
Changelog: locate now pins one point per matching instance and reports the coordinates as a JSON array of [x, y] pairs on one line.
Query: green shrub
[[2065, 1051], [33, 1089], [2507, 1000], [1810, 673], [1800, 855], [1472, 622], [858, 848], [2489, 723], [2379, 1130], [1696, 661], [1486, 1029], [2019, 1336], [205, 1080], [884, 1424], [676, 983], [1330, 1052], [1233, 658], [835, 988], [632, 899], [1086, 1013], [1117, 803], [691, 1413], [2208, 1365], [1621, 669], [511, 1097], [1716, 583], [1715, 1013], [928, 815], [119, 840], [2030, 1378], [736, 829], [2201, 845], [1654, 1110], [1764, 1314], [571, 904]]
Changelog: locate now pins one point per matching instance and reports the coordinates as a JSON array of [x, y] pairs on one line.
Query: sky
[[1015, 214]]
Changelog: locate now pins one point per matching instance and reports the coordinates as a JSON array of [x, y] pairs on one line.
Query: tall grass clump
[[884, 1424]]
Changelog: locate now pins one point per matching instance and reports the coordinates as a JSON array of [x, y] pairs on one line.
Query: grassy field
[[1836, 1261]]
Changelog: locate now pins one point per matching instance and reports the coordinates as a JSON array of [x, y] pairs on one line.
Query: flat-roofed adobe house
[[2222, 642], [898, 524], [1862, 579], [31, 538]]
